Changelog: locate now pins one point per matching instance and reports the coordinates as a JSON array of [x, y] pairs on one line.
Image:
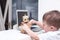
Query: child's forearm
[[32, 34], [39, 24], [36, 22]]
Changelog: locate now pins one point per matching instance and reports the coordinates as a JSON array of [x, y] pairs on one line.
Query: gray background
[[30, 5]]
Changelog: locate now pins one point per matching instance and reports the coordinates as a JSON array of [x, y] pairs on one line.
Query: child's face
[[45, 27], [48, 28]]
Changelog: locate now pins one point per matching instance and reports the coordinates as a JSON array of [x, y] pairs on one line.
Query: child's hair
[[52, 18]]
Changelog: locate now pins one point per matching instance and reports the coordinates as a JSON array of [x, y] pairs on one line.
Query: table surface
[[13, 35]]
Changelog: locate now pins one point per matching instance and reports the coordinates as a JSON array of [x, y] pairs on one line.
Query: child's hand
[[33, 21], [25, 26]]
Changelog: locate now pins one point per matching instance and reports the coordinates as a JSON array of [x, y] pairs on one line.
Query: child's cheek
[[46, 28]]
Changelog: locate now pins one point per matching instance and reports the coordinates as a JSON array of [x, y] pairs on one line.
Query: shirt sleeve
[[47, 36], [43, 36]]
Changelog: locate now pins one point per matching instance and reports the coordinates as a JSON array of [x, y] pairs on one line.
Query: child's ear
[[53, 28]]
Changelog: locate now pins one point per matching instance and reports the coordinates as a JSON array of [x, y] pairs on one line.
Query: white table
[[13, 35]]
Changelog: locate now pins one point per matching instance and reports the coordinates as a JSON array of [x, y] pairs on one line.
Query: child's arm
[[36, 22], [30, 33]]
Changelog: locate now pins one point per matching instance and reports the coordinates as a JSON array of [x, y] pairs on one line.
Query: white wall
[[47, 5]]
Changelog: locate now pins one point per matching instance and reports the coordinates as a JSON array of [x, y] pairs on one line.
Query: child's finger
[[22, 23]]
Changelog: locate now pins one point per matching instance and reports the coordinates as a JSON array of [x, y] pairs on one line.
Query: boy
[[51, 25]]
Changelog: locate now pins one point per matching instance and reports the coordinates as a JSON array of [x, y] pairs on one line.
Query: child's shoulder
[[50, 35]]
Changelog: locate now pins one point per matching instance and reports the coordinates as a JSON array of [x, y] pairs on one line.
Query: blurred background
[[30, 5]]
